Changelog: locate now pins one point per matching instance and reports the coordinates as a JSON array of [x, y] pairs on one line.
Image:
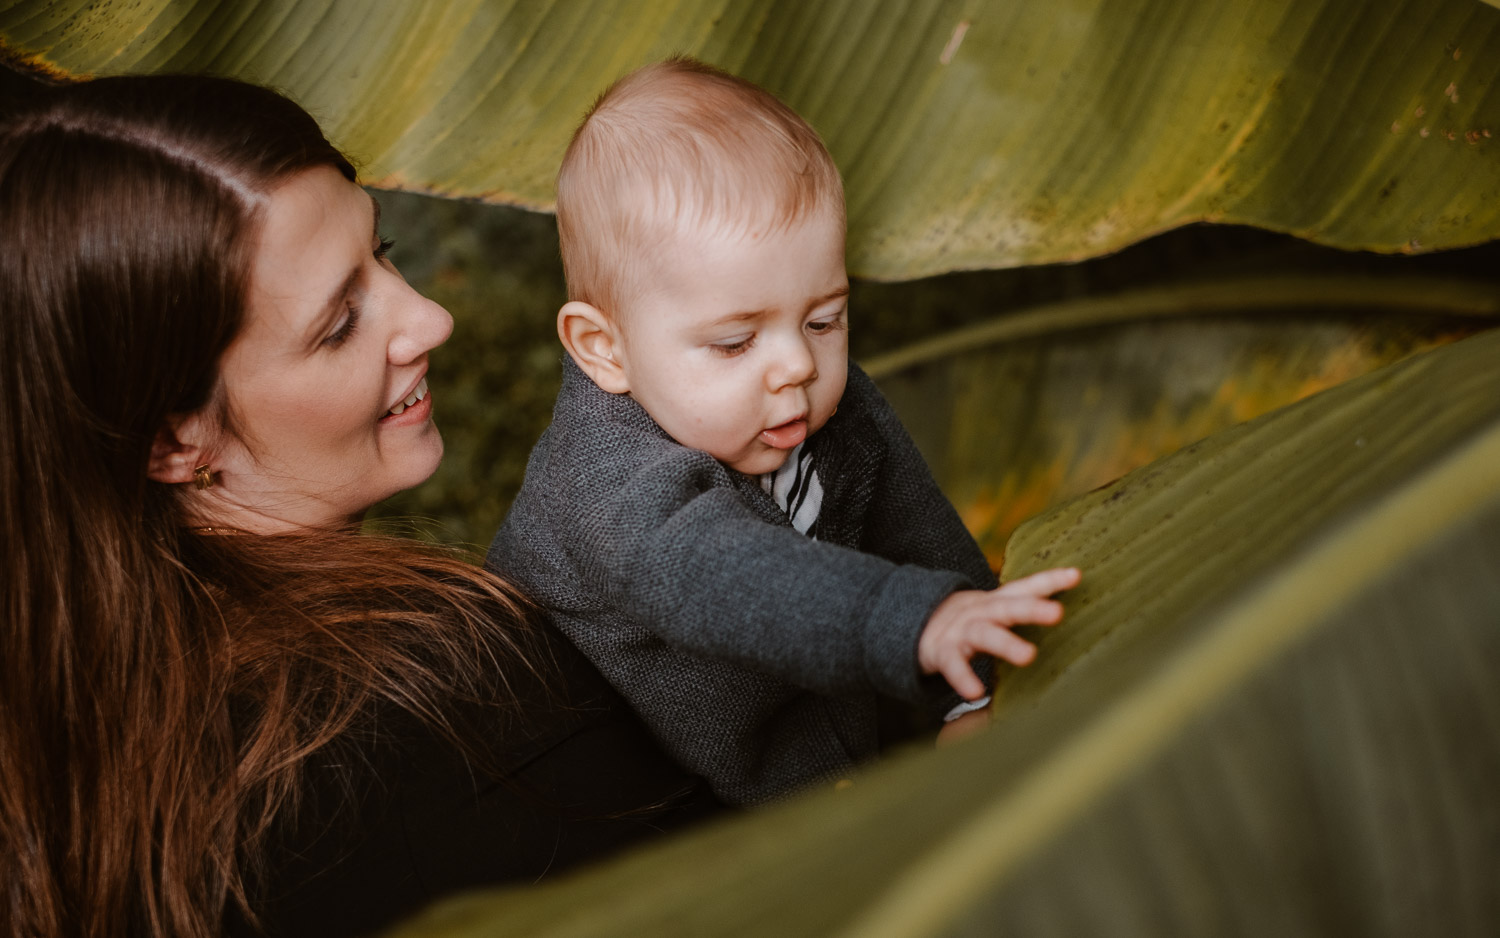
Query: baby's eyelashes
[[733, 346], [831, 322]]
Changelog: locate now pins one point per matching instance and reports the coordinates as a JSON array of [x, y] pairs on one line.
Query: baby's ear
[[593, 340]]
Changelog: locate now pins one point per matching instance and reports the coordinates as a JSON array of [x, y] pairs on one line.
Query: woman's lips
[[411, 413], [786, 435], [416, 413], [418, 392]]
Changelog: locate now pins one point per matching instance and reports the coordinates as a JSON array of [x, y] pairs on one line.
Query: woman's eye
[[733, 347], [345, 329]]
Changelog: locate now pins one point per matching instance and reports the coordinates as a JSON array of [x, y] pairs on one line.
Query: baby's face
[[739, 346]]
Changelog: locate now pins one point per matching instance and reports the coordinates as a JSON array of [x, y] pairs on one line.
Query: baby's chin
[[757, 463]]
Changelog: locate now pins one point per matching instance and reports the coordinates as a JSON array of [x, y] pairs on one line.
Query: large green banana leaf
[[972, 133], [1287, 721], [1304, 464], [1040, 405]]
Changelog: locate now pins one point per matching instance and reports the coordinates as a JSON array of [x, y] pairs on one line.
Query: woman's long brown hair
[[161, 687]]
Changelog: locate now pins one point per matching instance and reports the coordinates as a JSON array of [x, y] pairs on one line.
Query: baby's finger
[[1043, 584], [960, 675], [1025, 610], [1007, 645]]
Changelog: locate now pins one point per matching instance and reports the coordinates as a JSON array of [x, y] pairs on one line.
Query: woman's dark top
[[396, 816]]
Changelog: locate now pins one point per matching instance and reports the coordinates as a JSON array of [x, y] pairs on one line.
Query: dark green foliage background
[[497, 270]]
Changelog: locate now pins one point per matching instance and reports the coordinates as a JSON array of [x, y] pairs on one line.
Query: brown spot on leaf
[[1420, 111]]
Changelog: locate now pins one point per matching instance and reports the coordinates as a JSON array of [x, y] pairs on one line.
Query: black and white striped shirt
[[796, 490]]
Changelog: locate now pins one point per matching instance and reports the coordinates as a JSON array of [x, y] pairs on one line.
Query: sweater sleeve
[[674, 547], [911, 521]]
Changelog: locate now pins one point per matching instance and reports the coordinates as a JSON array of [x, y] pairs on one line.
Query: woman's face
[[334, 343]]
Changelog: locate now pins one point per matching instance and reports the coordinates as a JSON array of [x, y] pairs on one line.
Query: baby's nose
[[794, 365]]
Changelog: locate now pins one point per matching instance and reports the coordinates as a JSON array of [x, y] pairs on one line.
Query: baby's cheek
[[734, 442]]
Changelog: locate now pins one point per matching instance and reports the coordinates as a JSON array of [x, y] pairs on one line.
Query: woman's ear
[[592, 338], [176, 452]]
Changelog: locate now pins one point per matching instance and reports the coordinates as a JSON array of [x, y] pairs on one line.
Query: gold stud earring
[[203, 477]]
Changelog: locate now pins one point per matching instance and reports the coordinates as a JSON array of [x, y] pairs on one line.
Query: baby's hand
[[973, 621]]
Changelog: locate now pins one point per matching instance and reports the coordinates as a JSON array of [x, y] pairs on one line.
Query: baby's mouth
[[418, 393], [786, 435]]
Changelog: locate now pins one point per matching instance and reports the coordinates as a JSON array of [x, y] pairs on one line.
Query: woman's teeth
[[416, 395]]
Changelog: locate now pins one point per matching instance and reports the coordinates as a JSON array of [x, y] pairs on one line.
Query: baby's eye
[[734, 346], [826, 325], [384, 248]]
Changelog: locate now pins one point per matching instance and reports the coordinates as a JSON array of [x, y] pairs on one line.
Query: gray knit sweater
[[753, 653]]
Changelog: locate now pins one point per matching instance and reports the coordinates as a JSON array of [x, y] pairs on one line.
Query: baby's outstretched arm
[[972, 621]]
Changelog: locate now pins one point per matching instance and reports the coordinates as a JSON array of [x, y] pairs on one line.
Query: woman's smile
[[409, 405]]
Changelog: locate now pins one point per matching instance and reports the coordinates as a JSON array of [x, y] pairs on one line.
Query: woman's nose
[[423, 326]]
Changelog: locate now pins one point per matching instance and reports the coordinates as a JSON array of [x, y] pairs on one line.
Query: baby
[[725, 515]]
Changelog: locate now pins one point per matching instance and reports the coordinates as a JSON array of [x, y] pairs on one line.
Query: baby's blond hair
[[677, 143]]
